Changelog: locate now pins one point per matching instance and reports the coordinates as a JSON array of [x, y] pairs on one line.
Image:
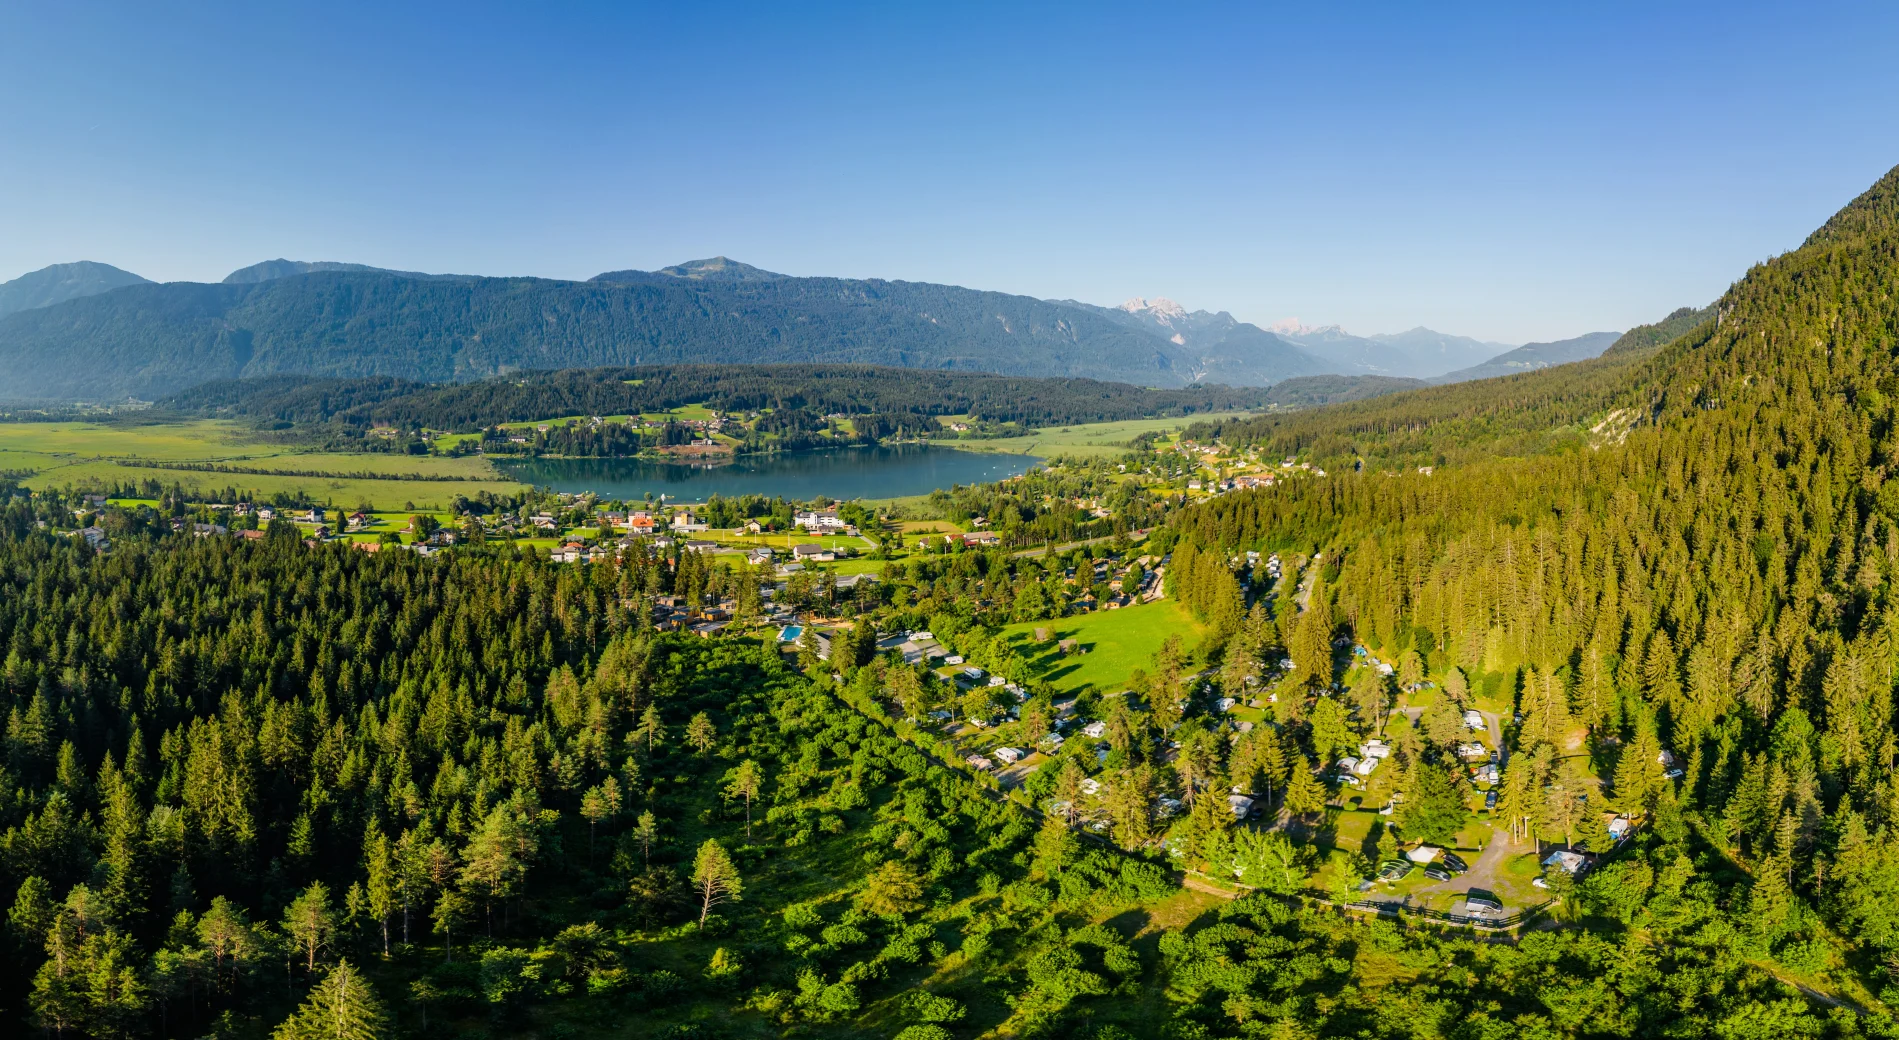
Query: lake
[[879, 472]]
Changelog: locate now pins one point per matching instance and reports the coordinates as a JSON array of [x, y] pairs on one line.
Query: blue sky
[[1505, 172]]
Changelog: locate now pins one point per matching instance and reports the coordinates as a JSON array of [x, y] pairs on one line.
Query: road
[[1483, 873]]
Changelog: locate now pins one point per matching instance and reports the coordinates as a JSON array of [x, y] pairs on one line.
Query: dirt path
[[1483, 873]]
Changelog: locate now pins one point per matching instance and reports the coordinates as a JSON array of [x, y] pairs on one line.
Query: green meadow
[[82, 454], [1086, 439], [1113, 642]]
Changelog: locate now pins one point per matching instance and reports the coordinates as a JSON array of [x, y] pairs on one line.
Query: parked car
[[1454, 863], [1477, 904], [1490, 799], [1437, 872], [1393, 870]]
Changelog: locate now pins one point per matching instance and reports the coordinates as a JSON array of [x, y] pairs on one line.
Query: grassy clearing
[[1086, 439], [1116, 643], [198, 440], [80, 454]]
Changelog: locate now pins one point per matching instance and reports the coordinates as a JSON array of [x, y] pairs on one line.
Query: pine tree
[[1639, 778], [341, 1007], [229, 936], [891, 889], [701, 733], [1305, 797], [1456, 687], [907, 691], [310, 922], [496, 859], [1164, 692], [1068, 789], [1431, 811], [1131, 806], [1410, 668], [745, 783], [451, 909], [651, 730], [1275, 763], [1211, 824], [1545, 710], [601, 802], [380, 863], [1516, 805], [1771, 905], [646, 832], [714, 877], [1055, 847], [1331, 729]]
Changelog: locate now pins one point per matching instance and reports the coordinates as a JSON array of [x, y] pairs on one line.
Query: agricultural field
[[1086, 439], [78, 454], [1116, 642]]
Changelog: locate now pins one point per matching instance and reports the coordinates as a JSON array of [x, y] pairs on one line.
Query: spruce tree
[[1431, 811], [1305, 796], [341, 1007]]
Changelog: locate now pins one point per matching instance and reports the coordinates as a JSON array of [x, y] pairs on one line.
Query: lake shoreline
[[867, 472]]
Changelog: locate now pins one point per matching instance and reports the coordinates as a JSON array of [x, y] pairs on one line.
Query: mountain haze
[[340, 320], [1440, 351], [1223, 349], [1532, 356]]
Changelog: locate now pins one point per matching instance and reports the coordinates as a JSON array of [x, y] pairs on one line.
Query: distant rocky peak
[[1158, 307], [1294, 327]]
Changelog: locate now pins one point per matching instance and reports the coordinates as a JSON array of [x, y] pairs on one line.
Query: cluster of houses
[[968, 539], [1220, 480]]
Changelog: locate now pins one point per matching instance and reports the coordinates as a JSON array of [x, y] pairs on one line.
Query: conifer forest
[[1617, 641]]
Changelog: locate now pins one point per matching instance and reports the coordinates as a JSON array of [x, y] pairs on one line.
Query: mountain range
[[61, 282], [94, 332]]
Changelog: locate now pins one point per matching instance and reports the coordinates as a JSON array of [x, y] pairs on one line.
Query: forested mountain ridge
[[342, 320], [1710, 574], [161, 338], [270, 270], [1677, 324], [848, 389], [62, 282]]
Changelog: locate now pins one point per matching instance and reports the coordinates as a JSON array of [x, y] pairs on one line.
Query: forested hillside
[[150, 340], [477, 793], [849, 389], [1703, 563], [262, 787], [1677, 324]]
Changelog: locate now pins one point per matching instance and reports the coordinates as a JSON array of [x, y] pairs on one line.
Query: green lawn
[[1117, 642]]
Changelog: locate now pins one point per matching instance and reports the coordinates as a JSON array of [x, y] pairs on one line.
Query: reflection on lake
[[880, 472]]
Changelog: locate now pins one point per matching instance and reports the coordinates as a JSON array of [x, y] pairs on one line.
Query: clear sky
[[1513, 172]]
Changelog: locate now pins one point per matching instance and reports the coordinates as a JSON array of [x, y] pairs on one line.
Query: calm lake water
[[881, 472]]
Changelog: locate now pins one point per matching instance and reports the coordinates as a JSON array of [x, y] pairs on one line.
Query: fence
[[1409, 909]]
